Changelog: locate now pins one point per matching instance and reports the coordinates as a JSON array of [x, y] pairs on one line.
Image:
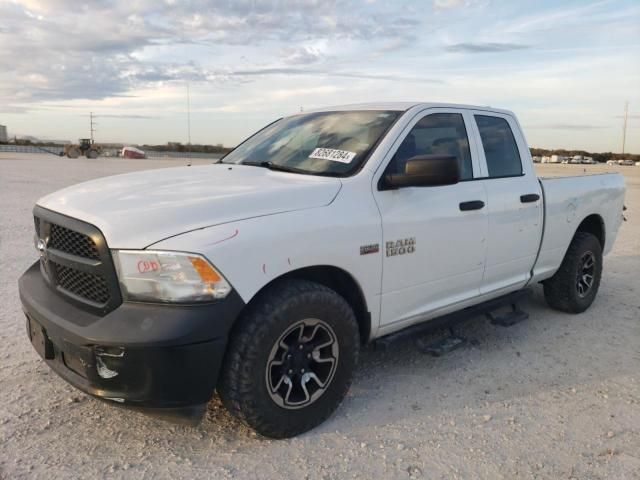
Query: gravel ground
[[556, 396]]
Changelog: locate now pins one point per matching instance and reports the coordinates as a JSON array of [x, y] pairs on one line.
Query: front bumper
[[162, 358]]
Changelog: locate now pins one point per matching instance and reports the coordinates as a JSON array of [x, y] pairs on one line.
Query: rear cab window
[[500, 148]]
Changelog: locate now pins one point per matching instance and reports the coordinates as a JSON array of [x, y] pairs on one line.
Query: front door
[[434, 237]]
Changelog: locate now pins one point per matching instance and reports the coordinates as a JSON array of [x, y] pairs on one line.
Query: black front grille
[[77, 262], [86, 285], [72, 242]]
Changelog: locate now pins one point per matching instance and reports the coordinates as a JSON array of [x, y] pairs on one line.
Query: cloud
[[127, 116], [548, 19], [301, 55], [332, 73], [62, 58], [450, 4], [60, 50], [490, 47], [14, 109]]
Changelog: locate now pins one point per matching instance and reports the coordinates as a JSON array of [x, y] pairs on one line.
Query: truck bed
[[568, 201]]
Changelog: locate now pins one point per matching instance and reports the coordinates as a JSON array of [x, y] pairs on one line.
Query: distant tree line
[[168, 147], [20, 141], [180, 147], [598, 157], [198, 148]]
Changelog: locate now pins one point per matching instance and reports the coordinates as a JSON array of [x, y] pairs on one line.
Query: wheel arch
[[594, 224], [337, 279]]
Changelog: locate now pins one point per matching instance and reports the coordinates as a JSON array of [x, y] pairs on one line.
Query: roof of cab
[[403, 106]]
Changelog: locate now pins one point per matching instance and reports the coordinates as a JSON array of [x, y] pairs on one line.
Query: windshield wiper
[[283, 168], [274, 166]]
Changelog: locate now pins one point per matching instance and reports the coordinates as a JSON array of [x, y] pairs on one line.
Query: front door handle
[[529, 197], [472, 205]]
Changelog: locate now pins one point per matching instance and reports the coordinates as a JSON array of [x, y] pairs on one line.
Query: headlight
[[171, 277]]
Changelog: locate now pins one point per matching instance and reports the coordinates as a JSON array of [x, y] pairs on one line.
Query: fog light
[[105, 355], [103, 370]]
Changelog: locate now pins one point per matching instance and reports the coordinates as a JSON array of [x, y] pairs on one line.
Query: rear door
[[514, 205], [434, 238]]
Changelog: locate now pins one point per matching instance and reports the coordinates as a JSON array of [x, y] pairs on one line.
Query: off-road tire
[[242, 386], [561, 290]]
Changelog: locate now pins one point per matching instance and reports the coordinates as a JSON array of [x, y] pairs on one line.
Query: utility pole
[[188, 117], [91, 124], [624, 127]]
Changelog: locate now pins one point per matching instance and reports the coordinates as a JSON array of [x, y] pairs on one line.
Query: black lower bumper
[[157, 357]]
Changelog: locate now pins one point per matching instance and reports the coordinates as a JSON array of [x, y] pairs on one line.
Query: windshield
[[323, 143]]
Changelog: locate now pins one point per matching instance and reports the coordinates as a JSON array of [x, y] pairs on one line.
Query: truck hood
[[138, 209]]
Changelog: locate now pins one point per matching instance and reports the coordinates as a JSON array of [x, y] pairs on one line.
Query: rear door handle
[[529, 197], [472, 205]]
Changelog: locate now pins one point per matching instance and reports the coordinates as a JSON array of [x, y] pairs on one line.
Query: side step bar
[[441, 347], [452, 342], [509, 319]]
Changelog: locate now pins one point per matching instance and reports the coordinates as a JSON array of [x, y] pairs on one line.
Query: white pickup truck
[[263, 275]]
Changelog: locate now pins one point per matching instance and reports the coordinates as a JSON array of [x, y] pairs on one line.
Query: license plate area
[[40, 340]]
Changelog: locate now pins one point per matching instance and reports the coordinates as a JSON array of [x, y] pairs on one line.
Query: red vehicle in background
[[133, 152]]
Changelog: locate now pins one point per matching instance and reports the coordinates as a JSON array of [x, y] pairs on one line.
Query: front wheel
[[574, 286], [73, 152], [291, 359]]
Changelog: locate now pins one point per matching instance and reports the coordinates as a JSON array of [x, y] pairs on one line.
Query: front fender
[[251, 253]]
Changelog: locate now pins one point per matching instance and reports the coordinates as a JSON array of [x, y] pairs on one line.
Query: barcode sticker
[[342, 156]]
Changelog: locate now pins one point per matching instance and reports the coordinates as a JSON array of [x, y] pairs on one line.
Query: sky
[[565, 68]]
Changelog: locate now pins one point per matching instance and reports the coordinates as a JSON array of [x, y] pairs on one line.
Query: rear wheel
[[575, 285], [92, 153], [291, 359]]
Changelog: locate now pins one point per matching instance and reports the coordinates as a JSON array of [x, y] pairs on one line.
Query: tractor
[[85, 147]]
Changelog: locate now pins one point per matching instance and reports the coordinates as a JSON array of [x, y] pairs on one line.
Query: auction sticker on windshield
[[342, 156]]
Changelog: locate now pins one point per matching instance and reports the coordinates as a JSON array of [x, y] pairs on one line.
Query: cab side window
[[500, 148], [435, 134]]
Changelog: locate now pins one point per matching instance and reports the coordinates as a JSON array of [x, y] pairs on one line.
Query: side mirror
[[425, 171]]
